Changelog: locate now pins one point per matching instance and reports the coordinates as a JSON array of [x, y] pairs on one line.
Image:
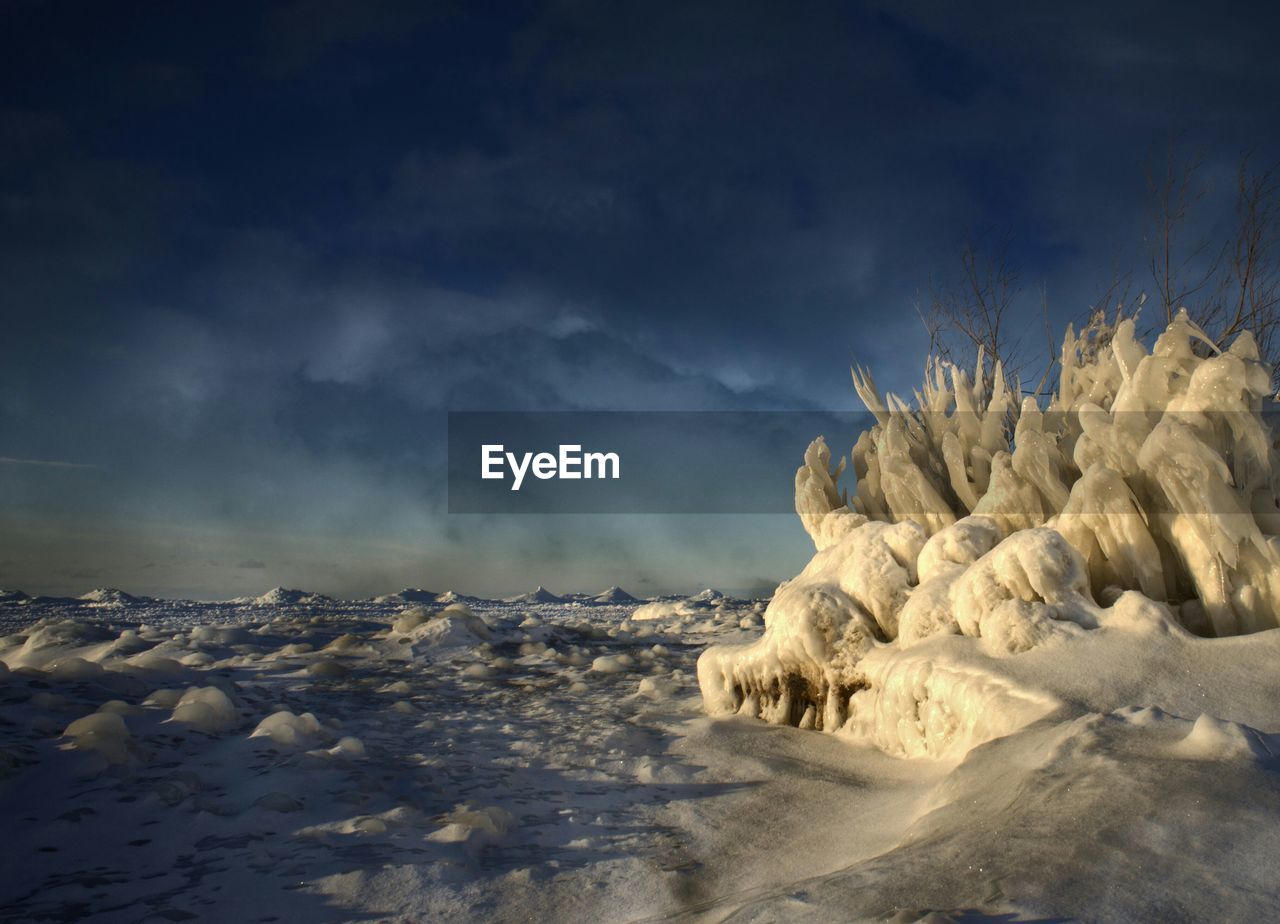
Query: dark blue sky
[[250, 253]]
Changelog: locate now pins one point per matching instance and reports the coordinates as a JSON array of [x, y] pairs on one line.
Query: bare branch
[[977, 310], [1173, 192]]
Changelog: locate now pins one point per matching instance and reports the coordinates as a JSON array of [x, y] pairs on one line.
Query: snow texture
[[471, 761], [297, 758]]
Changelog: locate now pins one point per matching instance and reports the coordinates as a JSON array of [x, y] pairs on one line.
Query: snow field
[[248, 758]]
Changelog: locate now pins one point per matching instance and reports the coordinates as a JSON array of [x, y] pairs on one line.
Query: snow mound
[[1144, 498], [614, 594], [220, 635], [1212, 738], [104, 733], [206, 709], [408, 595], [658, 609], [73, 669], [538, 595], [455, 625], [613, 664], [410, 619], [704, 603], [709, 595], [452, 596], [283, 596], [473, 829], [112, 597], [295, 732], [918, 706], [13, 596], [49, 640]]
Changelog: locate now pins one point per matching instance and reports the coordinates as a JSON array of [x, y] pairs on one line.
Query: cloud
[[248, 313], [44, 463], [298, 35]]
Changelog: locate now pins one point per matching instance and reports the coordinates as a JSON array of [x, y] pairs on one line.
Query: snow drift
[[1141, 499]]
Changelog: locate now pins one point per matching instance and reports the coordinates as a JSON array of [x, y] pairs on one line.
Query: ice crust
[[179, 760], [449, 758], [1141, 498]]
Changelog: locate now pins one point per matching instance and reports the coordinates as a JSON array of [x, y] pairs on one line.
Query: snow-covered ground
[[309, 759], [297, 758]]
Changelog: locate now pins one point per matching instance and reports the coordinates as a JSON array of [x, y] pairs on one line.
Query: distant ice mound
[[709, 595], [283, 596], [538, 595], [111, 597], [702, 604], [614, 594], [1142, 498], [408, 595]]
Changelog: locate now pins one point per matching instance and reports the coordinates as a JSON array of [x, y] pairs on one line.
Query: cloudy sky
[[251, 253]]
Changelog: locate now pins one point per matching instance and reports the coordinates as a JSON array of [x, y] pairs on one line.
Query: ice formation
[[287, 730], [206, 709], [1141, 497], [103, 732]]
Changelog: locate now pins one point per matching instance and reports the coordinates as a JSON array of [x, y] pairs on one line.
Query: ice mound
[[613, 664], [614, 594], [1211, 738], [150, 663], [1141, 498], [283, 596], [704, 603], [104, 733], [327, 668], [206, 709], [111, 597], [659, 609], [917, 706], [50, 640], [408, 595], [410, 619], [708, 595], [473, 829], [221, 636], [346, 750], [292, 731], [538, 595], [453, 626]]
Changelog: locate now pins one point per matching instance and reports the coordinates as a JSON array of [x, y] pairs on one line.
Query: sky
[[251, 254]]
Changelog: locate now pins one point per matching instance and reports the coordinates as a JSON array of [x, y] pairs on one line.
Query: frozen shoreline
[[495, 779]]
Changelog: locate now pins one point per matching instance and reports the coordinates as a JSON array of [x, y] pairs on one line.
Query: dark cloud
[[249, 256]]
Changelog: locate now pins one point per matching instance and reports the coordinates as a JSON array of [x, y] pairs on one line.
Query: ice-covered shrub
[[1143, 492]]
